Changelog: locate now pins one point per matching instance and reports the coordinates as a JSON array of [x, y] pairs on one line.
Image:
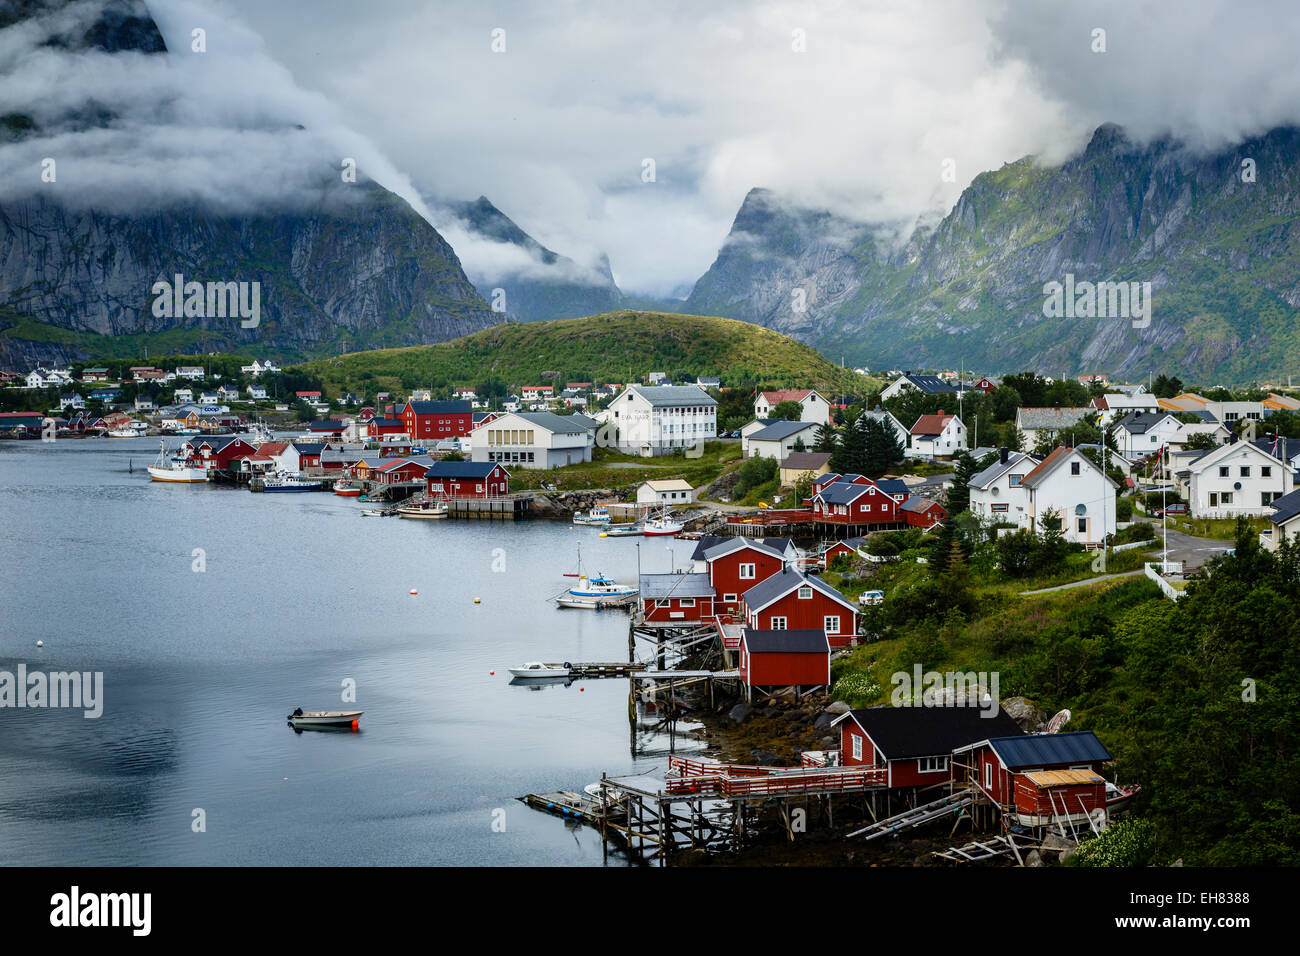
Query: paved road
[[1192, 551], [1085, 583]]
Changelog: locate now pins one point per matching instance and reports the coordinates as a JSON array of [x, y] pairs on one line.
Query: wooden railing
[[686, 776]]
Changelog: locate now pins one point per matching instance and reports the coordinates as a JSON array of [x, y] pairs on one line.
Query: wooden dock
[[500, 508]]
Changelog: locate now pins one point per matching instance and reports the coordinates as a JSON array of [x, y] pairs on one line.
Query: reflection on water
[[297, 595]]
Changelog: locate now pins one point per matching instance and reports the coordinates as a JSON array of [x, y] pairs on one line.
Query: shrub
[[756, 471], [1123, 509], [856, 690], [1128, 843]]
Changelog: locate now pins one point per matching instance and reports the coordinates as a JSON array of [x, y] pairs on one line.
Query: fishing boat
[[280, 481], [622, 530], [425, 509], [125, 431], [377, 513], [597, 591], [346, 489], [1117, 797], [612, 794], [596, 516], [175, 469], [324, 718], [664, 524], [536, 670]]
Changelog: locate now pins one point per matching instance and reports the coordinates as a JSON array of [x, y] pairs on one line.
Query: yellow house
[[814, 463]]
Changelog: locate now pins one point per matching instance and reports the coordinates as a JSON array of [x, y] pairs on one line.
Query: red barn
[[791, 601], [434, 421], [467, 479], [791, 658], [215, 452], [676, 598], [923, 512], [736, 565], [916, 744], [1040, 778]]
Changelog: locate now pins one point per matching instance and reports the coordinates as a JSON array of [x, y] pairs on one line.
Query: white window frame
[[729, 597], [686, 602], [931, 764], [778, 627], [988, 776], [832, 623], [857, 746], [750, 568], [805, 596]]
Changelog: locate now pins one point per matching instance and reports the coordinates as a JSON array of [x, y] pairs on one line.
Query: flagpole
[[1164, 509]]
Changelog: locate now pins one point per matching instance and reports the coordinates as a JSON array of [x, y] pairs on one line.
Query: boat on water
[[346, 489], [612, 794], [664, 524], [538, 670], [128, 431], [377, 513], [279, 481], [623, 530], [426, 510], [175, 469], [597, 591], [324, 718], [596, 516]]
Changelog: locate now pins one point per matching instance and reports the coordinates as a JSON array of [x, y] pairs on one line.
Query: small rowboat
[[614, 794], [324, 718]]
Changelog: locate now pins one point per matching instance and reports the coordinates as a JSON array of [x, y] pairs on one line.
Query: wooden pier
[[500, 508]]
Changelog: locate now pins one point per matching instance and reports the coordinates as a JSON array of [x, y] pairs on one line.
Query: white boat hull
[[535, 674], [326, 718], [185, 476]]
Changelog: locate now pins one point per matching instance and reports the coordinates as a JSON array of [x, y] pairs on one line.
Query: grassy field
[[611, 347]]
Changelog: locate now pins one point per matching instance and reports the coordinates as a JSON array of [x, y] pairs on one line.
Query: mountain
[[616, 346], [1219, 247], [350, 266], [538, 284]]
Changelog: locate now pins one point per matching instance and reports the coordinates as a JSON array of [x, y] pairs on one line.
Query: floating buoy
[[476, 601], [580, 689], [491, 673], [603, 535], [414, 591], [356, 725], [40, 643]]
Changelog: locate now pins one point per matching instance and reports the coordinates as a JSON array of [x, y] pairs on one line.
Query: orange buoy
[[414, 591], [356, 725]]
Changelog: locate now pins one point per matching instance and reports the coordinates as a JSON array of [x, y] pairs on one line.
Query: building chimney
[[941, 413], [1002, 453]]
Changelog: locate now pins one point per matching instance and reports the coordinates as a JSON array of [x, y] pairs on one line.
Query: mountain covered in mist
[[349, 266], [1217, 237]]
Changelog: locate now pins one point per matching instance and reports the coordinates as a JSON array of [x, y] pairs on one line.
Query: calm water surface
[[299, 593]]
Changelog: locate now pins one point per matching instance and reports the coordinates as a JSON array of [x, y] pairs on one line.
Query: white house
[[143, 403], [1081, 494], [674, 491], [1229, 413], [191, 372], [73, 400], [1115, 405], [537, 440], [1186, 431], [257, 392], [1048, 423], [779, 439], [35, 378], [997, 492], [1285, 520], [183, 396], [813, 408], [1142, 433], [1239, 478], [936, 435], [929, 384], [257, 368], [652, 420]]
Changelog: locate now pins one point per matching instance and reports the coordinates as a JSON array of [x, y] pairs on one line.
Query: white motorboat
[[537, 669], [175, 469], [623, 530], [280, 481], [663, 524], [612, 794], [425, 510], [596, 516], [597, 591], [324, 718]]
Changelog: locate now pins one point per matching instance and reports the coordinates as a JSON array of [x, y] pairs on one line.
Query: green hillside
[[611, 347]]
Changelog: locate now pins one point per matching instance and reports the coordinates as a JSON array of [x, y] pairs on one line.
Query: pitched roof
[[309, 447], [787, 395], [674, 586], [1037, 750], [904, 732], [806, 460], [982, 479], [810, 641], [730, 545], [1285, 508], [1036, 418], [667, 484], [559, 424], [931, 424], [1139, 423], [919, 504], [670, 395], [931, 384], [842, 492], [892, 486], [461, 469], [439, 408], [1046, 466], [778, 585], [781, 430]]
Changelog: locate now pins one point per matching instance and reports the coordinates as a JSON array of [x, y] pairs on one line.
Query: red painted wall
[[671, 611], [724, 573], [801, 613], [779, 670]]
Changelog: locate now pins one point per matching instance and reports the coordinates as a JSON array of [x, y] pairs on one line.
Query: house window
[[805, 593], [478, 487], [1014, 481], [1226, 498], [729, 597], [746, 571], [832, 622], [857, 747], [1074, 467], [778, 624], [997, 508], [988, 776], [1082, 526], [686, 602], [1266, 471], [932, 764], [1223, 471], [1245, 471]]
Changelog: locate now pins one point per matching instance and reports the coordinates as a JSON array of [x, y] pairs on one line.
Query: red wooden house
[[791, 658], [218, 451], [398, 470], [855, 503], [1041, 777], [791, 601], [434, 421], [840, 548], [676, 598], [379, 427], [309, 453], [736, 565], [921, 512], [915, 744], [467, 479]]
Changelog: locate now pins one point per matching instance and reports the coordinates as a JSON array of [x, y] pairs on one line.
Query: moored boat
[[174, 469], [537, 669], [597, 591], [623, 530], [278, 481], [663, 524], [346, 489], [425, 510], [596, 516], [324, 718]]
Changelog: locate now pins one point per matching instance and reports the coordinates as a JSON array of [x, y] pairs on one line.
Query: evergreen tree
[[824, 439], [959, 493], [850, 452], [881, 448]]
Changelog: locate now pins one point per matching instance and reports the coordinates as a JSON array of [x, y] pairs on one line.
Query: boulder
[[1033, 858], [823, 721], [838, 708], [739, 712], [1054, 841], [1025, 713]]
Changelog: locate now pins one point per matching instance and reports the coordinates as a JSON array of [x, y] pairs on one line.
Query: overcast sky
[[850, 105]]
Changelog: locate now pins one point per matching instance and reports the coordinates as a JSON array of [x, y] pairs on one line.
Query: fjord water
[[298, 593]]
